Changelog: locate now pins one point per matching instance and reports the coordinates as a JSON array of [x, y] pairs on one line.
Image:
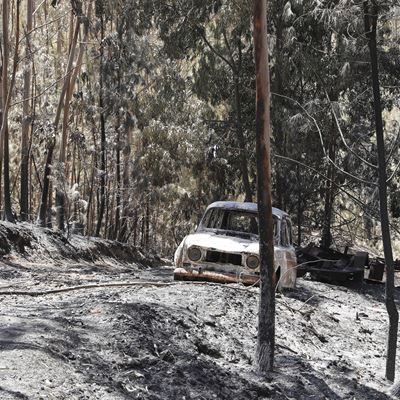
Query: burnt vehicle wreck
[[225, 247], [333, 266]]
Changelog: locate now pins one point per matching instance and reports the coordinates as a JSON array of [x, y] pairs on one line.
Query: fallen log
[[73, 288], [38, 293]]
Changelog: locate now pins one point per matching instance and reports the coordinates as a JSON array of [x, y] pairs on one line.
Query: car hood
[[218, 242]]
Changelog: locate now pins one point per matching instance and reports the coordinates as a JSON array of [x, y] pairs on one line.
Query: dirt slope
[[182, 341], [27, 241]]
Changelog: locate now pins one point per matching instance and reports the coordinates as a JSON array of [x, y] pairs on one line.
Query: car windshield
[[242, 223]]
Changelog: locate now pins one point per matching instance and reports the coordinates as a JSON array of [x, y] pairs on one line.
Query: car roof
[[243, 206]]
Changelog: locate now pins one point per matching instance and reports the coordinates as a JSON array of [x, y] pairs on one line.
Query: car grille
[[223, 258]]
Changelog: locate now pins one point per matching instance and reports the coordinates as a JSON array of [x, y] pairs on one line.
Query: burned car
[[225, 247]]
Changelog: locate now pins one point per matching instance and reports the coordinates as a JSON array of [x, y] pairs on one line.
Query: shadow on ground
[[155, 348]]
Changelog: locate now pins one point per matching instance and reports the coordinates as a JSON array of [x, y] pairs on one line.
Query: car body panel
[[231, 252]]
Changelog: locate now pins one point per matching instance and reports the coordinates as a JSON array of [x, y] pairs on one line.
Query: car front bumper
[[199, 274]]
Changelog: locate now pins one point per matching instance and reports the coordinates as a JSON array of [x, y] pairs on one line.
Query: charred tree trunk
[[125, 181], [26, 123], [371, 20], [90, 208], [117, 215], [299, 206], [135, 227], [2, 100], [8, 215], [242, 143], [277, 104], [118, 190], [326, 239], [147, 226], [266, 316], [103, 166], [4, 82], [49, 216]]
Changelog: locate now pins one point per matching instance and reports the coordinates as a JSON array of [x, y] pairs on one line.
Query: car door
[[288, 255]]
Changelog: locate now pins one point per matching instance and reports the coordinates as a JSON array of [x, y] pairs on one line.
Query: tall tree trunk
[[117, 216], [90, 207], [4, 85], [60, 191], [49, 216], [118, 190], [242, 143], [299, 205], [61, 186], [147, 236], [103, 165], [125, 181], [50, 152], [110, 201], [371, 20], [2, 101], [26, 122], [277, 104], [135, 227], [326, 239], [266, 315], [8, 215]]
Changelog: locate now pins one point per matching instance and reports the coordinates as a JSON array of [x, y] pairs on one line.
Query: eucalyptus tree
[[124, 64], [266, 315], [8, 86], [26, 118], [372, 11], [315, 115], [42, 217], [175, 168], [4, 79], [367, 57], [70, 82], [217, 36]]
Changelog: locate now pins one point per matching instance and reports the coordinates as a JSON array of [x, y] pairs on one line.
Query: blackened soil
[[183, 341]]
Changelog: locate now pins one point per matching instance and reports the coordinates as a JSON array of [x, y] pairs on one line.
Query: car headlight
[[194, 254], [252, 262]]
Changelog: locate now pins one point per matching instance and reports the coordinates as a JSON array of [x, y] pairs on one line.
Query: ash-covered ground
[[183, 340], [160, 339]]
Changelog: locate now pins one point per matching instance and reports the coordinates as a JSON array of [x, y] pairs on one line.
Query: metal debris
[[332, 266]]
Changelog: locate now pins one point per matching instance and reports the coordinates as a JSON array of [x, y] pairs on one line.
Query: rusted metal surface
[[181, 274], [376, 271]]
